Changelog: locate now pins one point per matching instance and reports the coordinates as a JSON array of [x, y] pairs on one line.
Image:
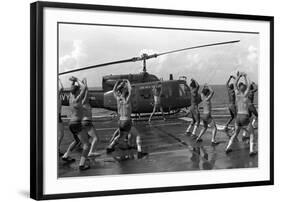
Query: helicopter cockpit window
[[182, 90], [145, 93], [153, 78]]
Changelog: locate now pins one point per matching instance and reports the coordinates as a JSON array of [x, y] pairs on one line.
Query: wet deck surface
[[169, 150]]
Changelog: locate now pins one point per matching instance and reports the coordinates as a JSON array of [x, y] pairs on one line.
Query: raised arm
[[255, 87], [114, 88], [129, 90], [236, 82], [82, 91], [85, 98], [211, 93], [196, 84], [228, 81], [247, 82]]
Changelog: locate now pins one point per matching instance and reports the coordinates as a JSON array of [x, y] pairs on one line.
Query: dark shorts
[[232, 110], [125, 125], [60, 120], [206, 118], [242, 120], [253, 110], [75, 127], [195, 115]]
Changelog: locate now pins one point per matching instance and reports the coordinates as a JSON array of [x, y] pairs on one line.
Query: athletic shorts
[[195, 115], [206, 118], [60, 120], [252, 110], [125, 125], [232, 109], [242, 120], [75, 127]]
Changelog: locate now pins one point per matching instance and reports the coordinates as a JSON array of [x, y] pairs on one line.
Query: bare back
[[124, 108], [76, 109], [207, 105], [242, 103]]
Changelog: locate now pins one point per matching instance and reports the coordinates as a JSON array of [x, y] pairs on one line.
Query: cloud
[[252, 54], [73, 59]]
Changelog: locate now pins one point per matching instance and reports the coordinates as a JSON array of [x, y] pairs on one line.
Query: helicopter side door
[[142, 98], [184, 95], [170, 95]]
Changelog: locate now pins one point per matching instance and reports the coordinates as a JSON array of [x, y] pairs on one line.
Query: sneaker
[[140, 155], [214, 143], [227, 151], [253, 153], [84, 167], [199, 140], [68, 159]]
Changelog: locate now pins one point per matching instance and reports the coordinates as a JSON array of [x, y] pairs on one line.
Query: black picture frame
[[37, 101]]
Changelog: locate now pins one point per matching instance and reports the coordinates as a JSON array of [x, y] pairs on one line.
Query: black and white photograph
[[166, 100], [146, 99]]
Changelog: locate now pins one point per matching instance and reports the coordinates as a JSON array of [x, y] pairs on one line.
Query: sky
[[86, 45]]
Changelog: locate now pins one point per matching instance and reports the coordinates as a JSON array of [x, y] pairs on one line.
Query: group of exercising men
[[83, 130], [241, 108]]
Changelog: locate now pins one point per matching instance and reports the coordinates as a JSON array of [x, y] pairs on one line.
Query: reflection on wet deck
[[169, 150]]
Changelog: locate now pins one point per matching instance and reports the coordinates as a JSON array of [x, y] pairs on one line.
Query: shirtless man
[[157, 92], [60, 123], [75, 125], [87, 122], [194, 87], [206, 96], [122, 93], [231, 97], [252, 108], [242, 119]]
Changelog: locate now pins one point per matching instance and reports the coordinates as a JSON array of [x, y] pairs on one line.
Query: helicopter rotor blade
[[101, 65], [201, 46], [146, 57]]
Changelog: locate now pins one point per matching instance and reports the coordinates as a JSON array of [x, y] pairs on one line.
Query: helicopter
[[175, 93]]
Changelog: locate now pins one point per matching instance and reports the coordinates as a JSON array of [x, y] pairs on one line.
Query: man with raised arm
[[206, 96], [78, 90], [157, 105], [122, 92], [60, 123], [194, 87], [252, 108], [231, 98], [242, 119], [87, 122]]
